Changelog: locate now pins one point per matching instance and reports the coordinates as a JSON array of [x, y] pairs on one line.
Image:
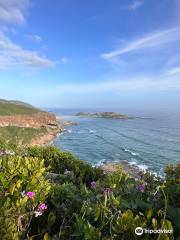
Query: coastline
[[132, 170], [52, 134], [46, 138]]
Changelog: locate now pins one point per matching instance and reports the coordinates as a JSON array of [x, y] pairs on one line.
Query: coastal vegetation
[[19, 135], [13, 108], [49, 194]]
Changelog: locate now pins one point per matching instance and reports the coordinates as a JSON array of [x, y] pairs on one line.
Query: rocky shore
[[46, 138], [132, 170], [52, 133]]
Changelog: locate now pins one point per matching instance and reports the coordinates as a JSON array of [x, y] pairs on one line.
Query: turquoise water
[[148, 143]]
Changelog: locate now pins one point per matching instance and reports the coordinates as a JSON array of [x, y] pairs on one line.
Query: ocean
[[150, 142]]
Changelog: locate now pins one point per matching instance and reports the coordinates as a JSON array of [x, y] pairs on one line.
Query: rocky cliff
[[25, 124], [37, 120]]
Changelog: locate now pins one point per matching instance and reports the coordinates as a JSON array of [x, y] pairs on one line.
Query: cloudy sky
[[76, 53]]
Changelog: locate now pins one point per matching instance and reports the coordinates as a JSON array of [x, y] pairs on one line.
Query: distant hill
[[112, 115], [8, 108], [16, 102]]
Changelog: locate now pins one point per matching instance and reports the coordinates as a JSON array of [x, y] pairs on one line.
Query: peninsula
[[22, 123], [111, 115]]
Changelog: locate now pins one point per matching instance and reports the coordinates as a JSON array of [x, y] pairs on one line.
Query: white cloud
[[123, 85], [13, 11], [173, 71], [149, 41], [135, 5], [12, 55], [34, 38]]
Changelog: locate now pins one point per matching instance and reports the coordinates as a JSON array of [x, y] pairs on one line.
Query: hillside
[[19, 135], [16, 102], [23, 124], [14, 107]]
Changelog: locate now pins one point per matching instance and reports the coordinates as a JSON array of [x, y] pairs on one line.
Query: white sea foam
[[133, 163], [60, 133], [131, 152], [92, 131], [100, 163], [143, 167]]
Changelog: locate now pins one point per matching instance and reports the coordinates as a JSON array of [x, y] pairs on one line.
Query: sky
[[77, 53]]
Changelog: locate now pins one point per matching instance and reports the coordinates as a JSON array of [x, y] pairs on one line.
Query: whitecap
[[100, 163], [92, 131], [133, 163], [131, 152], [143, 167]]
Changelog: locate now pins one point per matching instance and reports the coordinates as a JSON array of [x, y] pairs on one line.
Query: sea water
[[149, 142]]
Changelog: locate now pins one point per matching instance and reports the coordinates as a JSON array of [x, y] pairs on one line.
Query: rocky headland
[[42, 127], [111, 115]]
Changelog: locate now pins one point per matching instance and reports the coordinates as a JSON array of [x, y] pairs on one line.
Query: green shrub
[[60, 162], [23, 189], [83, 203], [172, 189]]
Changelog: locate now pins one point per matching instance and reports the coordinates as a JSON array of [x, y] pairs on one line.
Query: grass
[[7, 109], [19, 135]]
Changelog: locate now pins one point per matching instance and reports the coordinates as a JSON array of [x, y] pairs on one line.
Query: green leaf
[[51, 219], [46, 236], [149, 214]]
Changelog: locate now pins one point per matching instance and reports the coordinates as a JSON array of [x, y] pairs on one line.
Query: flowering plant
[[23, 191]]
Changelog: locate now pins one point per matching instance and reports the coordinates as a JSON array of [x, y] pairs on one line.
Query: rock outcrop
[[111, 115], [37, 120]]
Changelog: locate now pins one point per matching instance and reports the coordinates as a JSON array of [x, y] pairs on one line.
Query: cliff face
[[24, 124], [37, 120]]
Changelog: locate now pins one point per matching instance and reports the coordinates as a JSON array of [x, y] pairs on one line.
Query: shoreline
[[52, 134], [46, 138], [132, 170]]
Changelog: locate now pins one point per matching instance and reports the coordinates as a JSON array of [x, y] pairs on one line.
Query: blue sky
[[76, 53]]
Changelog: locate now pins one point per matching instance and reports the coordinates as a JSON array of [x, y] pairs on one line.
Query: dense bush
[[83, 203], [61, 162], [22, 194]]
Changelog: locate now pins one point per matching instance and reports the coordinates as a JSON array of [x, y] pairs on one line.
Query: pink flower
[[42, 206], [40, 209], [141, 187], [30, 194]]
